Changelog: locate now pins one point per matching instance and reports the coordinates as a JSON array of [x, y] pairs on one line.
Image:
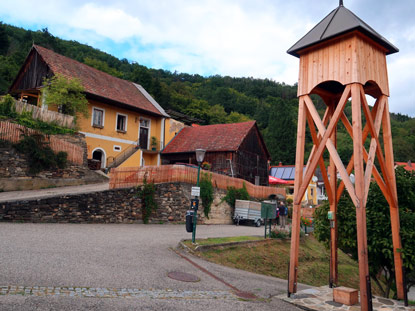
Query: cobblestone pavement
[[321, 299], [113, 292], [123, 267]]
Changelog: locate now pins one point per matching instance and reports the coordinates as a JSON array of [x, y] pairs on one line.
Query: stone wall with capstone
[[14, 170], [114, 206]]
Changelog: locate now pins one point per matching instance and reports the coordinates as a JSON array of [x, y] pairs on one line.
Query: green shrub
[[61, 159], [206, 192], [40, 155], [7, 106], [7, 110], [146, 194], [26, 119], [275, 234], [234, 194]]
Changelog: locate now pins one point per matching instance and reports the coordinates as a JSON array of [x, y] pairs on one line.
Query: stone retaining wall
[[113, 206], [14, 171], [77, 139]]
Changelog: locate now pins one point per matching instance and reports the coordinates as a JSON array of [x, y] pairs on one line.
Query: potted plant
[[153, 143]]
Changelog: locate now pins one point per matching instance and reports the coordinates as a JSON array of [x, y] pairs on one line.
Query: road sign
[[196, 191]]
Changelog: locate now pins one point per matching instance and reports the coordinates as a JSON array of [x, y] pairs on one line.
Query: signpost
[[200, 154], [195, 191]]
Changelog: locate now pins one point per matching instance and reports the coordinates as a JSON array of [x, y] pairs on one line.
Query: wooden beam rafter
[[379, 105], [327, 142], [374, 128], [316, 141]]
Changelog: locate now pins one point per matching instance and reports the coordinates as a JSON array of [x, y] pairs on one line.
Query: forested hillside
[[214, 99]]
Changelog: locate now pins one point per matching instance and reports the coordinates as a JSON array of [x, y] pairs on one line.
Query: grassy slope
[[272, 257]]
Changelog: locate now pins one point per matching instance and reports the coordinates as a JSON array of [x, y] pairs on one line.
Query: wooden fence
[[45, 115], [124, 177], [12, 132]]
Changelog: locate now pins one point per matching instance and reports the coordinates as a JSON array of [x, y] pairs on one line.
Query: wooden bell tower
[[341, 59]]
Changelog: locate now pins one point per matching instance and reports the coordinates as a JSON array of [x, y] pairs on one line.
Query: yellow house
[[125, 127], [287, 173]]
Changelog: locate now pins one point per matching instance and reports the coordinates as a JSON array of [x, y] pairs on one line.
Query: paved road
[[60, 265], [51, 192]]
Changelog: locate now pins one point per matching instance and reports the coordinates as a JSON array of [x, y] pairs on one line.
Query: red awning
[[274, 180]]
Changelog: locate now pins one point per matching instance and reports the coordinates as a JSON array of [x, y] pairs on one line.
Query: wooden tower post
[[342, 58]]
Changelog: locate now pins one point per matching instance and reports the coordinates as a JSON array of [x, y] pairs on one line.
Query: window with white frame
[[121, 123], [98, 117]]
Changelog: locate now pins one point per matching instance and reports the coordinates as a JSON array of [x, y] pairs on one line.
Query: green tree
[[4, 40], [379, 235], [66, 94], [8, 71], [236, 117], [7, 106], [280, 135], [217, 115]]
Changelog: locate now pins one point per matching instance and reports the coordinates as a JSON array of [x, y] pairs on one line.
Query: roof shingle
[[217, 137], [97, 82], [338, 22]]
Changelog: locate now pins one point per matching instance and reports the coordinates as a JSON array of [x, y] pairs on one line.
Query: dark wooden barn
[[236, 150]]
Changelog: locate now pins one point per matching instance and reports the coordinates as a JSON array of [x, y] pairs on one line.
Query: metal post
[[265, 228], [196, 208]]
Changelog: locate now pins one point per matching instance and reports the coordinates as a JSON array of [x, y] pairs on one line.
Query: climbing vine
[[206, 192], [148, 203]]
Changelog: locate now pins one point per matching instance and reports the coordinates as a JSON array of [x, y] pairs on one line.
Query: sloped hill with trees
[[213, 99]]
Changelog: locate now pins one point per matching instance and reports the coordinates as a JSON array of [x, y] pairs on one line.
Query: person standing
[[283, 215], [277, 215]]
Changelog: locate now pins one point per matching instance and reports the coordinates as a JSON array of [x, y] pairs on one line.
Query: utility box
[[268, 210], [189, 220]]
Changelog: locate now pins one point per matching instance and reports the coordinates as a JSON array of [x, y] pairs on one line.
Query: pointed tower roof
[[339, 22]]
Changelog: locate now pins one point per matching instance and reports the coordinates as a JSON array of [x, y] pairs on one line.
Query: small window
[[117, 148], [98, 117], [121, 123], [145, 123]]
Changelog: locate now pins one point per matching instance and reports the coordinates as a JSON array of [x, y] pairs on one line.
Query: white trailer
[[247, 211]]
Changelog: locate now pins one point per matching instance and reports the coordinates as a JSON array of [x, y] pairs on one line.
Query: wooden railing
[[124, 177], [45, 115], [12, 132], [121, 157]]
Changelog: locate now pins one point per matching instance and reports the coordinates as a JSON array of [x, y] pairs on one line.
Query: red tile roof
[[97, 82], [406, 165], [217, 137]]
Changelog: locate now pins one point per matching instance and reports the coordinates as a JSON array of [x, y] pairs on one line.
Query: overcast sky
[[240, 38]]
